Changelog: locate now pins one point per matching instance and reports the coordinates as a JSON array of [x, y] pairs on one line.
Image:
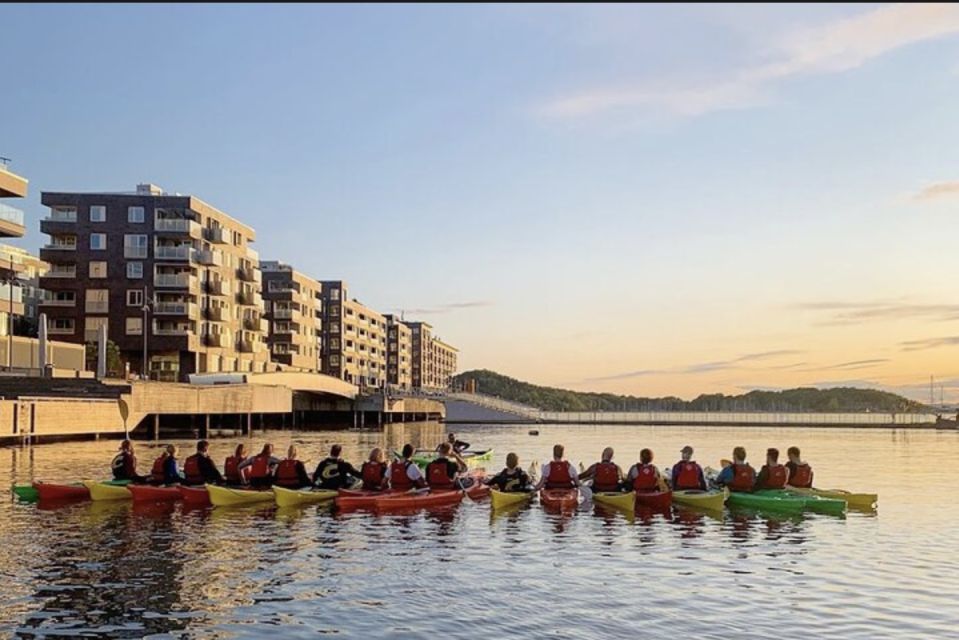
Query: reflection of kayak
[[654, 499], [230, 497], [149, 493], [108, 490], [625, 501], [503, 499], [51, 491], [296, 497], [559, 498], [196, 496], [712, 500], [854, 500], [471, 458]]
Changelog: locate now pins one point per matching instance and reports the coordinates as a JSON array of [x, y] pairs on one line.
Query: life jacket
[[438, 476], [776, 476], [559, 477], [645, 479], [800, 475], [398, 478], [373, 473], [329, 471], [123, 465], [517, 482], [286, 474], [261, 467], [232, 473], [606, 478], [157, 473], [191, 470], [744, 476], [689, 474]]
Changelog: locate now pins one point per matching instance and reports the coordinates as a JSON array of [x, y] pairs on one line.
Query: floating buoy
[[533, 432]]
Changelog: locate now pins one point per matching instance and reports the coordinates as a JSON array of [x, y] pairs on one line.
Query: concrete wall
[[158, 397], [41, 417], [26, 354]]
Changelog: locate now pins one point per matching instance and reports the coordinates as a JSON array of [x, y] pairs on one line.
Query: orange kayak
[[195, 496], [559, 498], [149, 493], [360, 498], [654, 499], [413, 500], [50, 491]]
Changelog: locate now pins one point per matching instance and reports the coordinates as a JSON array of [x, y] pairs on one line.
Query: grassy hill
[[802, 399]]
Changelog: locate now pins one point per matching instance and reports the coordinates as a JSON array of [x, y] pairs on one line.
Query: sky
[[654, 199]]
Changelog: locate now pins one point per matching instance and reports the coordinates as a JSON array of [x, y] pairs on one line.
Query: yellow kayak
[[501, 500], [229, 497], [712, 500], [854, 500], [103, 491], [297, 497], [625, 501]]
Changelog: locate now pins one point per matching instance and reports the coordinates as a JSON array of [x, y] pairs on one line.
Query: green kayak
[[782, 501], [817, 504]]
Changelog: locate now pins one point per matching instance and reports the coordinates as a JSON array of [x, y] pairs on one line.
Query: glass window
[[64, 324], [134, 297], [134, 326], [135, 214], [97, 301], [98, 241], [98, 269], [134, 269], [98, 213], [135, 245]]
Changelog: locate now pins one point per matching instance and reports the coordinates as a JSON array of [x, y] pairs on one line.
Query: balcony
[[54, 302], [248, 274], [173, 252], [175, 281], [61, 331], [11, 221], [171, 330], [209, 258], [175, 309], [177, 226], [218, 287], [249, 299], [59, 246], [286, 313], [217, 236], [61, 271], [221, 340], [252, 324], [61, 215], [245, 346], [217, 314]]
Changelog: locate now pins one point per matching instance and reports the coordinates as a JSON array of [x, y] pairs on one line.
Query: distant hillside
[[802, 399]]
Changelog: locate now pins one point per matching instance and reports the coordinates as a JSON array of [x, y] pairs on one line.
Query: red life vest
[[801, 476], [744, 476], [191, 470], [438, 476], [606, 478], [373, 474], [776, 476], [286, 474], [645, 479], [233, 475], [559, 477], [261, 467], [398, 478], [689, 474], [157, 474]]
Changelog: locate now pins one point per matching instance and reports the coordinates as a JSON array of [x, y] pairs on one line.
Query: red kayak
[[149, 493], [361, 498], [654, 499], [414, 500], [195, 496], [50, 491], [559, 498]]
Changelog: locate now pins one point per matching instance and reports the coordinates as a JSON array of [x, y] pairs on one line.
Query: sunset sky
[[642, 199]]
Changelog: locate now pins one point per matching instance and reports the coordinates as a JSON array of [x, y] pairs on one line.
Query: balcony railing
[[216, 314], [247, 274], [217, 236], [182, 252], [216, 339], [61, 331], [252, 324], [175, 280], [177, 225], [60, 272], [53, 302], [57, 246], [161, 330], [211, 258], [175, 309], [11, 214], [218, 287], [62, 215], [246, 346], [252, 253], [286, 313], [249, 299]]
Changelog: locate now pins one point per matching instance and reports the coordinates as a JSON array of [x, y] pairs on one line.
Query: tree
[[114, 364]]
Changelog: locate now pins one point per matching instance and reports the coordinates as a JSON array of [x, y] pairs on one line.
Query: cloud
[[854, 364], [701, 367], [938, 190], [929, 343], [857, 312], [832, 47], [445, 308]]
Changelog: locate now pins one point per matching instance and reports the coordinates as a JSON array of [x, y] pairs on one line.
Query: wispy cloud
[[938, 191], [851, 366], [700, 367], [445, 308], [929, 343], [832, 47], [857, 312]]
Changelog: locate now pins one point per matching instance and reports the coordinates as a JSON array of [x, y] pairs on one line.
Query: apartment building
[[11, 226], [294, 310], [167, 271], [399, 353], [354, 338], [29, 269], [434, 361]]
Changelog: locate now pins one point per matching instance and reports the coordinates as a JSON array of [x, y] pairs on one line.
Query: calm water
[[119, 571]]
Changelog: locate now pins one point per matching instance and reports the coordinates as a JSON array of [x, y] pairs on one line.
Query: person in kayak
[[686, 473], [374, 471], [165, 470], [800, 473], [512, 478], [124, 464], [199, 468], [403, 474], [458, 445], [644, 476], [772, 475], [261, 467], [558, 473], [738, 476], [448, 470], [231, 467], [334, 472], [291, 473], [606, 474]]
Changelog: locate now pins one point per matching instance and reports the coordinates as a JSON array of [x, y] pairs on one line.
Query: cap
[[686, 448]]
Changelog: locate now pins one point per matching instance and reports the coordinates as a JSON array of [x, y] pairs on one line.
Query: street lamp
[[145, 373]]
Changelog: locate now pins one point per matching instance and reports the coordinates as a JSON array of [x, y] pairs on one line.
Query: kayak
[[196, 496], [360, 498], [418, 500], [297, 497], [25, 493], [107, 490], [471, 458], [149, 493], [712, 500], [765, 501], [654, 499], [559, 498], [230, 497], [854, 500], [618, 499], [815, 503], [51, 491], [503, 499]]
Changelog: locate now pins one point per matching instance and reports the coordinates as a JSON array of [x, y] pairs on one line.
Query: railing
[[174, 309], [216, 314], [61, 272], [53, 302], [251, 324], [56, 246], [216, 339], [170, 331], [217, 236], [247, 274], [246, 346], [285, 313], [182, 252], [11, 214], [182, 281], [61, 215], [61, 331], [177, 225], [213, 258], [218, 287]]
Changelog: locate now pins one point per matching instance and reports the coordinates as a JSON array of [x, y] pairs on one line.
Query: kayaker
[[374, 471], [458, 445], [291, 473], [800, 473], [403, 474], [334, 472], [606, 474], [772, 475], [124, 464], [512, 478], [738, 476], [447, 470], [558, 473], [261, 467], [231, 467], [165, 469], [686, 473], [199, 469], [644, 476]]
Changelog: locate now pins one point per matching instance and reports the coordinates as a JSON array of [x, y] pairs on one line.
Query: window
[[134, 269], [98, 213], [91, 328], [134, 326], [135, 214], [134, 297], [98, 241], [135, 246], [98, 269], [334, 294], [98, 301], [64, 296], [62, 324]]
